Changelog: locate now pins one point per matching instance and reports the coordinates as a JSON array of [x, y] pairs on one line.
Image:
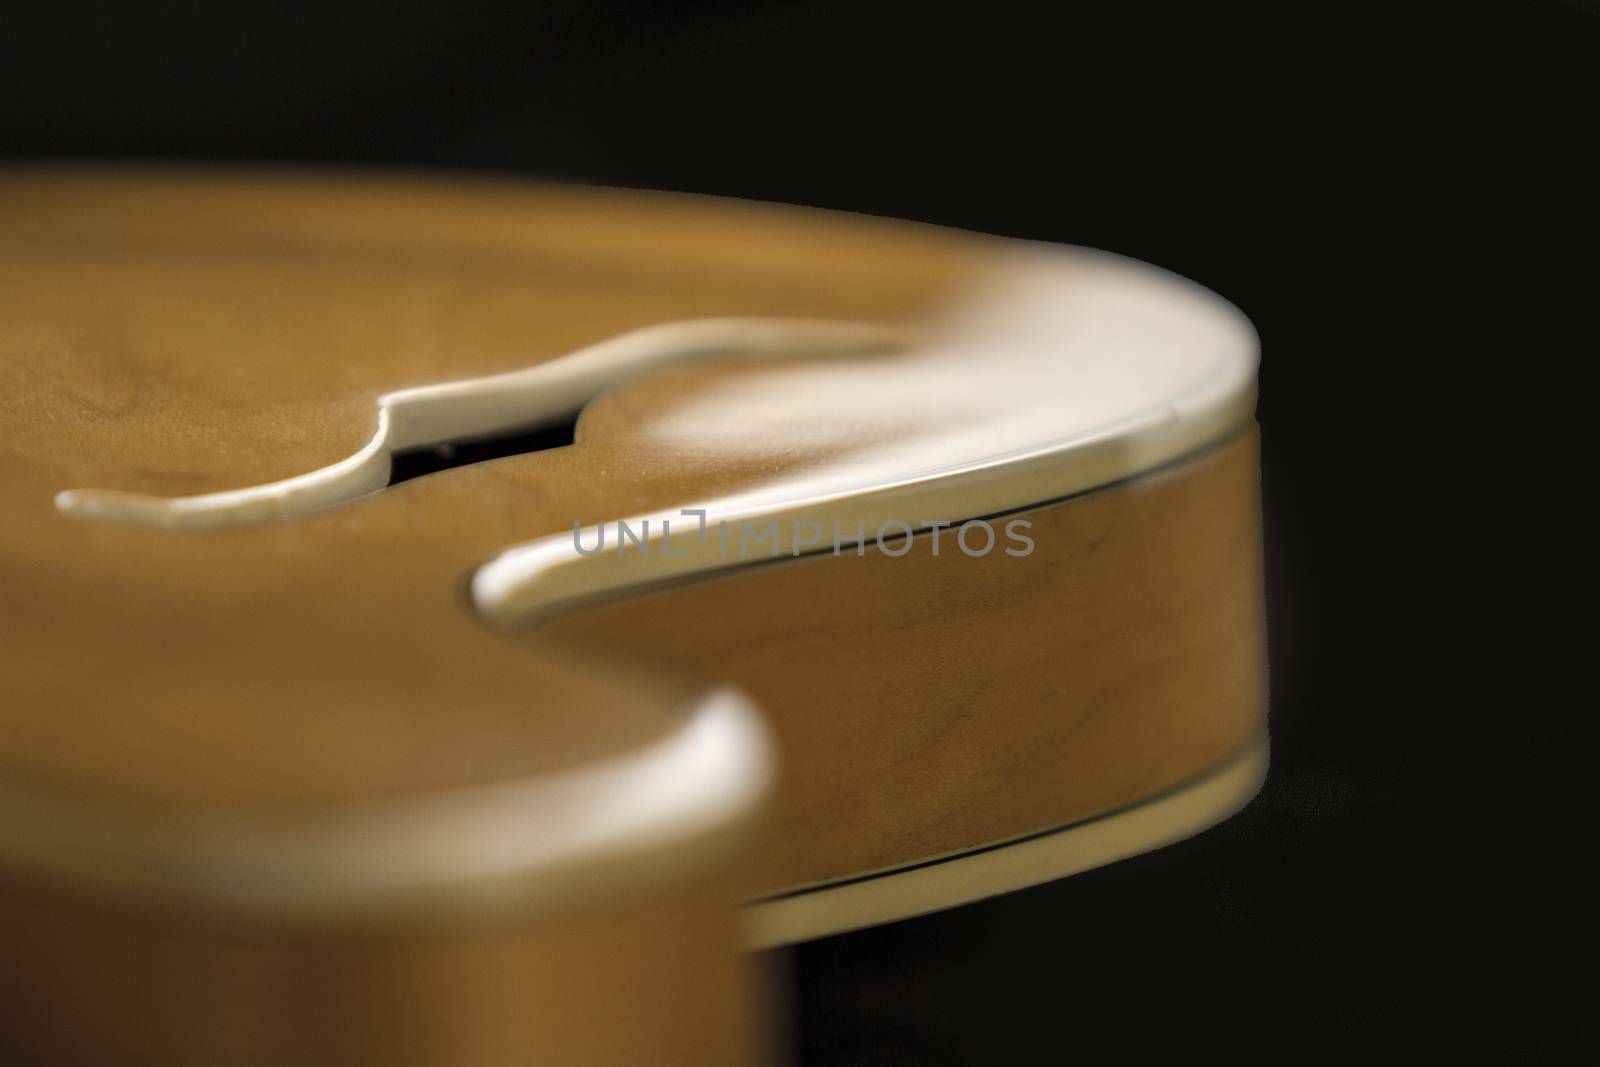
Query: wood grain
[[926, 704], [182, 333]]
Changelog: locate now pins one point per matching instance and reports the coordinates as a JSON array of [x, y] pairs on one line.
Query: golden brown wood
[[1126, 649], [653, 978], [206, 690], [184, 335]]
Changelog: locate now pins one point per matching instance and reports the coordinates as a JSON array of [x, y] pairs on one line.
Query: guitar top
[[888, 567]]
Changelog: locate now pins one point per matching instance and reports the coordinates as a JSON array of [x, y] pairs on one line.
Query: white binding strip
[[964, 877], [652, 814], [549, 576], [477, 407]]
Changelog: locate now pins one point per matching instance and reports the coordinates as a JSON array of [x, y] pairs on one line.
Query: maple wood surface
[[175, 334]]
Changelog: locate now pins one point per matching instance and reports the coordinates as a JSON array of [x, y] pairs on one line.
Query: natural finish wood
[[1126, 649], [177, 336], [653, 978], [210, 690]]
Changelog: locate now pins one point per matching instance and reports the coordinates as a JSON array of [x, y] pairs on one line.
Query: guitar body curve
[[889, 567]]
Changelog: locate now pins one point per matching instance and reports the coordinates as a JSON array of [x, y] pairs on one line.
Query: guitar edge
[[1026, 718]]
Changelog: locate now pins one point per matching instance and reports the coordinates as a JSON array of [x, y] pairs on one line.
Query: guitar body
[[888, 568]]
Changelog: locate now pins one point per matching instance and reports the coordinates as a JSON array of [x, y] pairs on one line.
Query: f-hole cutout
[[431, 459], [484, 418]]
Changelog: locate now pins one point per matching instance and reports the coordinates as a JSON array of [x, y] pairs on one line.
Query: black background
[[1401, 198]]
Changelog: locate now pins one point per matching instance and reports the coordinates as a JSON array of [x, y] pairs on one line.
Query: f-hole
[[431, 459]]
